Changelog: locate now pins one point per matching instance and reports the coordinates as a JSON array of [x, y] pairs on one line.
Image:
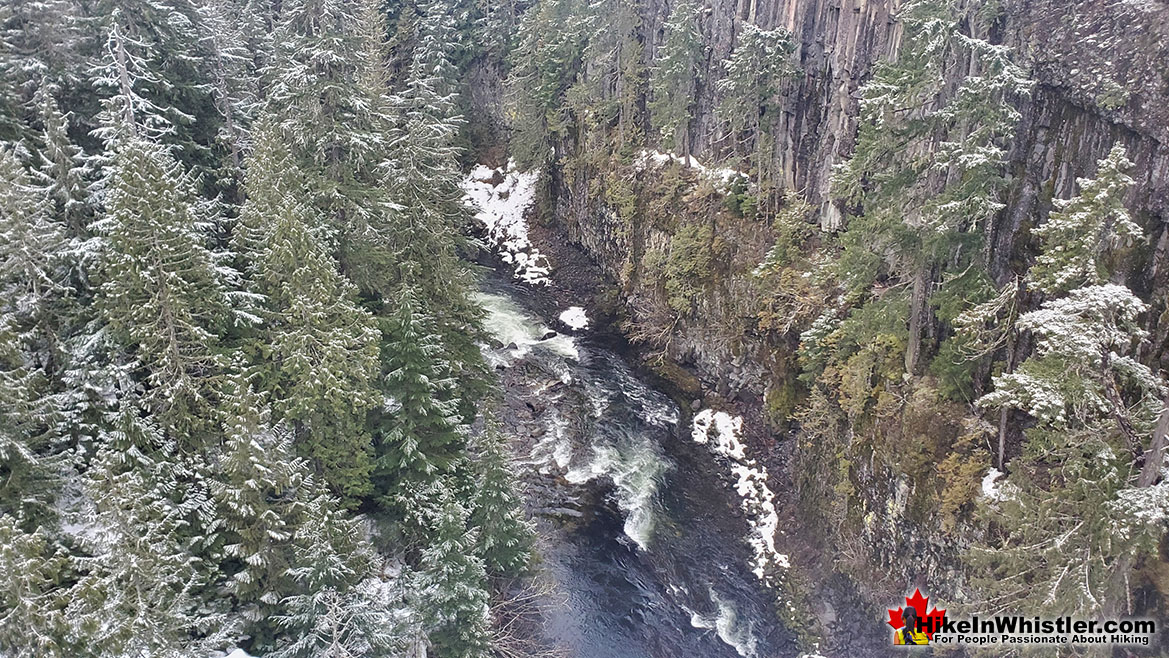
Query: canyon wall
[[1102, 74]]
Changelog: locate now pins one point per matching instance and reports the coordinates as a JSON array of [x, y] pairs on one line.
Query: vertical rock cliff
[[720, 332]]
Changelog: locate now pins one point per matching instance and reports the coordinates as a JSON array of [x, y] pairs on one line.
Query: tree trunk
[[1156, 454], [1003, 412], [917, 308]]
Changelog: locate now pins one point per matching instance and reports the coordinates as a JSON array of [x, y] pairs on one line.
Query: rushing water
[[641, 546]]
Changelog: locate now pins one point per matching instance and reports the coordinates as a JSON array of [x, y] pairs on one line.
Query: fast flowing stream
[[642, 552]]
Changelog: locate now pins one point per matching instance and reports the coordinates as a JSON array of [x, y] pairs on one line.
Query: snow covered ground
[[722, 431], [501, 208]]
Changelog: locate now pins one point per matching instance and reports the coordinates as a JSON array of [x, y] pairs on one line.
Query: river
[[641, 550]]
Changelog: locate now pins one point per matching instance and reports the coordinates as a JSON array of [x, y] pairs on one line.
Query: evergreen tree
[[33, 248], [929, 166], [368, 256], [319, 348], [550, 44], [421, 430], [152, 48], [162, 291], [229, 29], [62, 164], [1075, 513], [140, 591], [344, 609], [755, 71], [28, 465], [314, 95], [1080, 232], [38, 42], [125, 71], [427, 189], [676, 76], [259, 498], [452, 585], [505, 536], [32, 601]]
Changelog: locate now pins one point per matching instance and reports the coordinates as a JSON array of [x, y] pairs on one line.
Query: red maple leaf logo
[[930, 621]]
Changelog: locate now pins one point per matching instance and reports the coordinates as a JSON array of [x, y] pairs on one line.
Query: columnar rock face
[[1102, 76], [1099, 59]]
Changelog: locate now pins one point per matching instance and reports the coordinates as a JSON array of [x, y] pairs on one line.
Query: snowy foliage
[[32, 245], [162, 290], [1083, 340], [677, 74], [451, 585], [343, 608], [505, 536], [1081, 231]]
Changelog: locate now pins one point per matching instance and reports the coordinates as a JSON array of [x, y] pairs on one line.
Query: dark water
[[643, 553]]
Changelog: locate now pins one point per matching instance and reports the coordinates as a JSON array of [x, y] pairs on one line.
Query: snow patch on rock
[[993, 489], [989, 488], [727, 429], [501, 207], [575, 318], [721, 176], [757, 499]]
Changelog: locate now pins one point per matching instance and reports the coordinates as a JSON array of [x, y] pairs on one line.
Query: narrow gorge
[[584, 328]]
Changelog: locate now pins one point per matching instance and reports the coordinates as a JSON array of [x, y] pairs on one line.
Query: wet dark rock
[[560, 512], [549, 334]]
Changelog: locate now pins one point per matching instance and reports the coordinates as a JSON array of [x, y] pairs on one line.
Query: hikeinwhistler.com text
[[1020, 630]]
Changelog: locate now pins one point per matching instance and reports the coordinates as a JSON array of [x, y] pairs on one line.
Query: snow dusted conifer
[[676, 76], [32, 624], [125, 72], [38, 41], [63, 165], [756, 68], [1081, 231], [505, 536], [320, 349], [930, 163], [259, 495], [148, 57], [1083, 360], [225, 27], [421, 429], [369, 254], [427, 188], [139, 591], [343, 608], [32, 245], [33, 248], [313, 82], [452, 585], [1065, 536], [161, 289], [28, 467]]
